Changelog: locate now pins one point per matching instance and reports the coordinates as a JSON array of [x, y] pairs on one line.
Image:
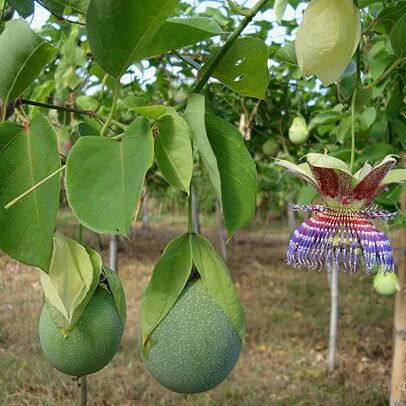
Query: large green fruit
[[194, 348], [386, 283], [92, 343]]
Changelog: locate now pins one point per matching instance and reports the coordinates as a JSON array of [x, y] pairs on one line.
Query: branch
[[70, 110], [61, 18]]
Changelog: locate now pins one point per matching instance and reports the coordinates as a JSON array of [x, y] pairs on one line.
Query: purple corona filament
[[341, 229], [344, 236]]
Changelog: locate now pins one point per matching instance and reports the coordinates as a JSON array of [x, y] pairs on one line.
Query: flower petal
[[369, 187]]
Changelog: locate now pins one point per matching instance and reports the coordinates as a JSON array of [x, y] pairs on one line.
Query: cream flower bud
[[327, 38]]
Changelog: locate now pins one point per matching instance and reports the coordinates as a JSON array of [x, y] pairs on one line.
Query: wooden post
[[398, 380], [291, 217], [332, 347], [113, 253]]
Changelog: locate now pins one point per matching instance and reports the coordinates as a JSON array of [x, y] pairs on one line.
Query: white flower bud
[[327, 38]]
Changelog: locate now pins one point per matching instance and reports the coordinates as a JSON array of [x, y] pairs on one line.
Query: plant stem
[[70, 110], [190, 212], [217, 57], [384, 75], [113, 108], [37, 185], [212, 64], [354, 97], [59, 17], [83, 391], [332, 348], [189, 61]]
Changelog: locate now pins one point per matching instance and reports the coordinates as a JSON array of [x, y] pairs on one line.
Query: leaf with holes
[[30, 223], [237, 172], [244, 68], [23, 55], [104, 177], [118, 30]]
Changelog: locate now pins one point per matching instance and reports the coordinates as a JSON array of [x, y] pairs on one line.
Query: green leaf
[[180, 32], [152, 111], [217, 280], [173, 151], [279, 8], [325, 117], [395, 176], [244, 67], [287, 54], [24, 7], [118, 30], [28, 226], [167, 282], [237, 173], [104, 177], [71, 282], [195, 117], [117, 290], [375, 151], [389, 16], [397, 37], [23, 55]]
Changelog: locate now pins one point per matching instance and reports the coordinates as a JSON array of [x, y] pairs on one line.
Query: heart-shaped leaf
[[237, 172], [167, 282], [28, 226], [118, 30], [23, 55], [217, 280], [104, 177], [173, 151], [244, 68]]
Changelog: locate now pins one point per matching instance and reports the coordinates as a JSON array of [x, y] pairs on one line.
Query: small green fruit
[[386, 283], [194, 348], [270, 147], [92, 343], [298, 131]]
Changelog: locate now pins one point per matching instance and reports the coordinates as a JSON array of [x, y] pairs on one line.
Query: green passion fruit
[[194, 348], [386, 283], [91, 344], [270, 147], [298, 131]]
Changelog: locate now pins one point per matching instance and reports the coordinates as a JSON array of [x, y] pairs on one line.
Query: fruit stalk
[[83, 391]]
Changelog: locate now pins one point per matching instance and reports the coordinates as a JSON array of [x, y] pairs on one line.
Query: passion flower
[[341, 228], [327, 38]]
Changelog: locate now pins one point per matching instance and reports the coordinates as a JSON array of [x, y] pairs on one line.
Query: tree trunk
[[332, 347], [113, 253], [398, 381], [145, 222], [291, 218], [220, 226], [195, 211]]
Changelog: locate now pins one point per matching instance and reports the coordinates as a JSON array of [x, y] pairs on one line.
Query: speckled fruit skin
[[270, 147], [93, 342], [194, 348]]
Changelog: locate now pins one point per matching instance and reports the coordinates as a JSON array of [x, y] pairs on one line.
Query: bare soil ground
[[284, 359]]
